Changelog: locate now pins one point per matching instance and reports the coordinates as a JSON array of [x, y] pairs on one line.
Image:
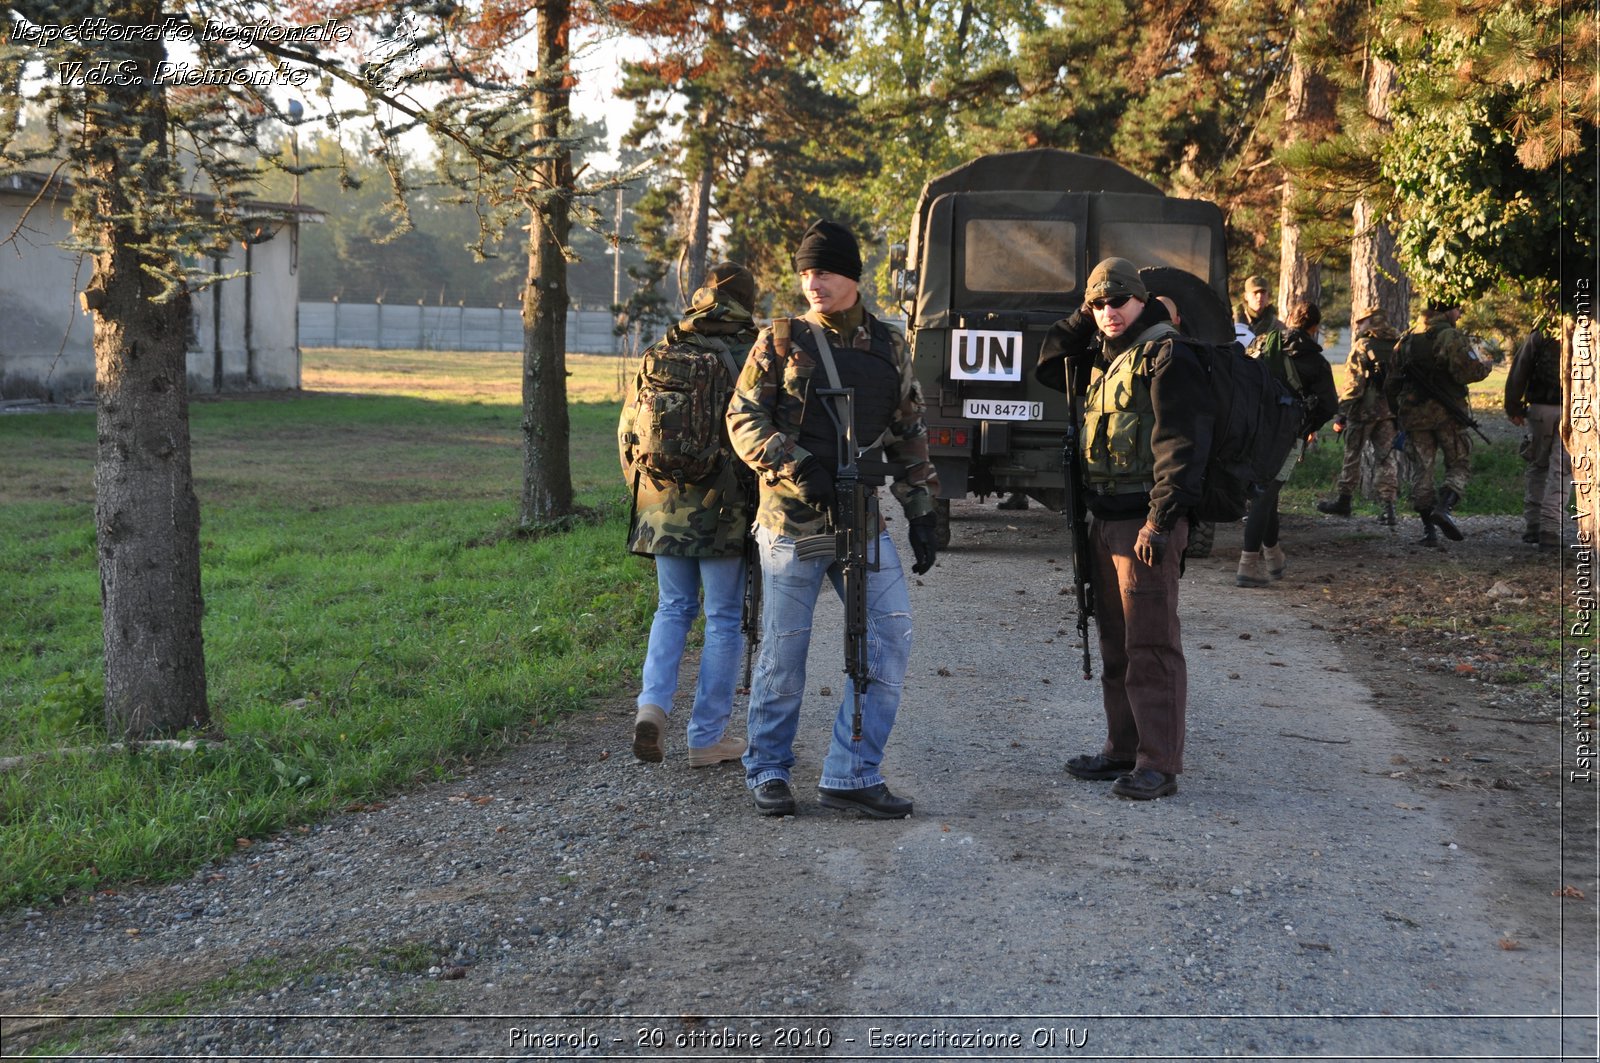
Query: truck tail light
[[950, 436]]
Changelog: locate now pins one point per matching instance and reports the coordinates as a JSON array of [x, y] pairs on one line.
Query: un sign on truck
[[998, 252], [976, 354]]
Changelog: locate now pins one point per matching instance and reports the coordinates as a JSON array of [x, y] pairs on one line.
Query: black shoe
[[1387, 517], [774, 798], [1430, 537], [1340, 507], [1018, 500], [1095, 767], [1145, 784], [875, 801], [1531, 536]]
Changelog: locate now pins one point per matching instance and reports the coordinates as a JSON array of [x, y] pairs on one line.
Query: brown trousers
[[1144, 679]]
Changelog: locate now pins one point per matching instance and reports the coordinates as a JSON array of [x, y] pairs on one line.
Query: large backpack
[[1268, 347], [678, 403], [1258, 418]]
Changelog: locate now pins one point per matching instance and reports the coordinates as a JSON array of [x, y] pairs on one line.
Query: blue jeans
[[678, 583], [789, 598]]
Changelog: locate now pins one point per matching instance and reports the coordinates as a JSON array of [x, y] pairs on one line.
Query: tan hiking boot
[[648, 726], [727, 748], [1273, 556], [1252, 570]]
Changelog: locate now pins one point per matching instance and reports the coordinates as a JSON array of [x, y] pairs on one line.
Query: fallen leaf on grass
[[1571, 892], [1510, 944], [944, 672], [605, 754]]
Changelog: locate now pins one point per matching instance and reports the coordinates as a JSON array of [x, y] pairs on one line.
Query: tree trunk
[[697, 220], [1376, 276], [697, 228], [546, 459], [1309, 114], [147, 520]]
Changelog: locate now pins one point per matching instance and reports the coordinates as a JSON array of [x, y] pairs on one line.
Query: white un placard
[[976, 354]]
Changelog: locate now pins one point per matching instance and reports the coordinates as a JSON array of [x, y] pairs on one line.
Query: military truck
[[999, 250]]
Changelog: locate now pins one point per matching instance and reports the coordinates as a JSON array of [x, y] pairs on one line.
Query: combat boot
[[1339, 507], [1252, 570], [1440, 517], [1430, 537], [1387, 518], [1272, 557]]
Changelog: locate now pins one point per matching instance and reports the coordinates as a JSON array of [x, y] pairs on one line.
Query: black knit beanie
[[829, 246]]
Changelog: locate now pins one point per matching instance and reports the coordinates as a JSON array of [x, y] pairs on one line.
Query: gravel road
[[1314, 890]]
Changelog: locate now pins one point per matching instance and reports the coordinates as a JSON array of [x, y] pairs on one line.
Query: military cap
[[1113, 277], [1256, 283]]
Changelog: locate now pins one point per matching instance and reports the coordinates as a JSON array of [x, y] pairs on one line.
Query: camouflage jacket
[[1365, 369], [772, 398], [1438, 353], [706, 519]]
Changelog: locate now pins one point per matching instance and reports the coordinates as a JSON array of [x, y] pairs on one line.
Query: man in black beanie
[[780, 430]]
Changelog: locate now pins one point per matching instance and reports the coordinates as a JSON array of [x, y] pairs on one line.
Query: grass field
[[372, 617]]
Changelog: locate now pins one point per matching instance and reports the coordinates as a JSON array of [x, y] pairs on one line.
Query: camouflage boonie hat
[[1256, 283], [1362, 311], [726, 282]]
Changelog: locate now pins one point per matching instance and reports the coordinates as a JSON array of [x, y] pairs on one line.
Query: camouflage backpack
[[679, 399]]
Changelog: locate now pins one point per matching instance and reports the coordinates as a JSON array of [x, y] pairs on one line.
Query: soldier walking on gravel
[[695, 531], [1364, 415], [1533, 398], [1428, 392]]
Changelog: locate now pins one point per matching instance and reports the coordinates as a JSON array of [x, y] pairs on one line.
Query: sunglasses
[[1116, 302]]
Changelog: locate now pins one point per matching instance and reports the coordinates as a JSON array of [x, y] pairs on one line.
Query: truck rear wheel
[[1202, 534]]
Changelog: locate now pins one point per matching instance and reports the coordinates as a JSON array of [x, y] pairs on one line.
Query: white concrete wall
[[46, 343]]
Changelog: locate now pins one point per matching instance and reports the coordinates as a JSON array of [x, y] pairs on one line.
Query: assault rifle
[[855, 524], [850, 519], [1429, 387], [750, 615], [1078, 518]]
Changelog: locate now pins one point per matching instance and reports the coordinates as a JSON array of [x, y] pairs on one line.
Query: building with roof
[[243, 335]]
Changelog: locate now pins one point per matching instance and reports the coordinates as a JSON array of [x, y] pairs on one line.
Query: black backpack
[[1258, 423]]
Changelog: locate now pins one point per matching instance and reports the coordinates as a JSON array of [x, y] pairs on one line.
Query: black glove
[[814, 484], [1066, 339], [1151, 546], [924, 536]]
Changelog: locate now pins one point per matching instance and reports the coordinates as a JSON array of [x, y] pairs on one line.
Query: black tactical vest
[[873, 375]]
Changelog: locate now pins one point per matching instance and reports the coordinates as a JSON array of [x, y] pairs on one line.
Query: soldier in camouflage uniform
[[1255, 311], [1533, 397], [1433, 365], [695, 532], [778, 427], [1364, 415]]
